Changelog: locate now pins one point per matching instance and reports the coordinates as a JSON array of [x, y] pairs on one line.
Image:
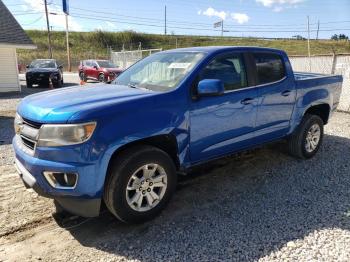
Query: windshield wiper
[[132, 86], [138, 87]]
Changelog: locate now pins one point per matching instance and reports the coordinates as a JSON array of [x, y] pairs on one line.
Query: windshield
[[161, 71], [43, 64], [106, 64]]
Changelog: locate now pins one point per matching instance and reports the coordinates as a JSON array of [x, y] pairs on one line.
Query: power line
[[192, 23], [26, 13], [34, 21], [202, 29]]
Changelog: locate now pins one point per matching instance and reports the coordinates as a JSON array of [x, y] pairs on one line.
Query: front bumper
[[83, 200], [34, 79]]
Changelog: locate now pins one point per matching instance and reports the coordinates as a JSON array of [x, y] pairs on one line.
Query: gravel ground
[[260, 205]]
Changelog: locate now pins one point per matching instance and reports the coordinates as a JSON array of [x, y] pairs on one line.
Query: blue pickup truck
[[125, 143]]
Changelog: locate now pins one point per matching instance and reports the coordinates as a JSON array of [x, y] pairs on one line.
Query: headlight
[[65, 134], [54, 75], [18, 123]]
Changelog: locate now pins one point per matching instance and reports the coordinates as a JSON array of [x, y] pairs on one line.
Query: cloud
[[111, 25], [240, 18], [212, 12], [24, 7], [271, 3], [278, 9], [58, 20]]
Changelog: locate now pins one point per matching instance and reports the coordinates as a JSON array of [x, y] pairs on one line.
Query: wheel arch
[[321, 110], [166, 142]]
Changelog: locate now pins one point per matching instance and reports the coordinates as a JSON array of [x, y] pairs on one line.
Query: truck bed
[[305, 75], [332, 84]]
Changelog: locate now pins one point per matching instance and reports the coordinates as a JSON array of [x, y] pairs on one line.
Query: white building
[[12, 36]]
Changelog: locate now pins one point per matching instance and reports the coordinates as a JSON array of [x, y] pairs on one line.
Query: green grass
[[93, 45]]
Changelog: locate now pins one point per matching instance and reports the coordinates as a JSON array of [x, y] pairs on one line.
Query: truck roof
[[214, 49]]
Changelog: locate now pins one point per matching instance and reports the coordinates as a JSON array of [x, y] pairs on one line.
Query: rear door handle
[[247, 101], [286, 93]]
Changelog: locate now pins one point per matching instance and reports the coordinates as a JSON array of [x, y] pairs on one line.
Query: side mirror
[[95, 67], [210, 87], [27, 66], [60, 66]]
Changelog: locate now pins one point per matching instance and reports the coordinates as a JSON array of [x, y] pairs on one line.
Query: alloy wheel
[[146, 187]]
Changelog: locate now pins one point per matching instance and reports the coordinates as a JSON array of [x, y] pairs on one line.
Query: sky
[[241, 18]]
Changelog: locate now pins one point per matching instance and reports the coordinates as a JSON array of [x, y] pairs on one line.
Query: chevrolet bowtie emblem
[[19, 128]]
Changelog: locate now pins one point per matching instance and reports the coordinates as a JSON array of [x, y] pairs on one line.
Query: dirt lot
[[260, 205]]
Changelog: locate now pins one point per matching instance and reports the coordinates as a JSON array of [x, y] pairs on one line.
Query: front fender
[[165, 114]]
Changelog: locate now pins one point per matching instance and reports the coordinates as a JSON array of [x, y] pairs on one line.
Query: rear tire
[[140, 183], [307, 138]]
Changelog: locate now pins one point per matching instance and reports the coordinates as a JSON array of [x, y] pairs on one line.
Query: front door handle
[[247, 101], [286, 93]]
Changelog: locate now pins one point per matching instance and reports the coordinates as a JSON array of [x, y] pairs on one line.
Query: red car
[[101, 70]]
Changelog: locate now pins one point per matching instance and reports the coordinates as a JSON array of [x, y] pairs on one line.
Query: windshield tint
[[161, 71], [43, 64], [106, 64]]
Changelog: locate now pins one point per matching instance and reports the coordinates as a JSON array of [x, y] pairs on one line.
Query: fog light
[[60, 180]]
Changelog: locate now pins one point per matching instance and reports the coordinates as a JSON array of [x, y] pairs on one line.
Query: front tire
[[29, 84], [307, 138], [82, 76], [101, 78], [58, 84], [140, 183]]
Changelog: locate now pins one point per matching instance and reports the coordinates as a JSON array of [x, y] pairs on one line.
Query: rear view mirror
[[210, 87]]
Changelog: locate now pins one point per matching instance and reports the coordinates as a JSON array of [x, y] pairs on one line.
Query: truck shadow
[[29, 91], [7, 131], [240, 208]]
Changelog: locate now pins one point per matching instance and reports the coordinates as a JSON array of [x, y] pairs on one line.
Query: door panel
[[276, 97], [94, 71], [222, 124], [87, 68]]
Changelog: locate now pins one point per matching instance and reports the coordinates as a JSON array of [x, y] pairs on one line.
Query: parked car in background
[[101, 70], [125, 143], [40, 71]]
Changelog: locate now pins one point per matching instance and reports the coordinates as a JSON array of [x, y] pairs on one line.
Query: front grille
[[28, 135], [42, 76], [32, 123], [28, 143]]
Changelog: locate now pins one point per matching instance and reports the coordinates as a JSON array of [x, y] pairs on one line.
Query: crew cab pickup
[[125, 143]]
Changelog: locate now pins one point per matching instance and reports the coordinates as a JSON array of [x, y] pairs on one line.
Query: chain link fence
[[124, 59], [327, 64]]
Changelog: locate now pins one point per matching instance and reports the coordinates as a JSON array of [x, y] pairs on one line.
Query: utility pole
[[68, 50], [48, 29], [165, 20], [222, 28], [308, 42], [318, 29]]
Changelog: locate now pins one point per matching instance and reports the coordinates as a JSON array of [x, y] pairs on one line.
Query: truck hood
[[58, 106]]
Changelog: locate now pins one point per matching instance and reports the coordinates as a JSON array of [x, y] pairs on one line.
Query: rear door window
[[269, 67]]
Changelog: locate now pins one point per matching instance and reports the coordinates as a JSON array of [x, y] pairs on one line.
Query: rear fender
[[307, 100]]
